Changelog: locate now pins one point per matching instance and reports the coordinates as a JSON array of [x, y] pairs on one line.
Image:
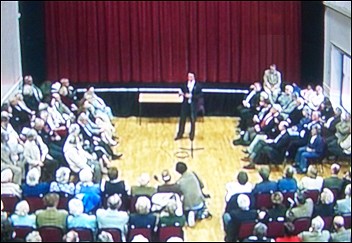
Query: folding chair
[[84, 234], [51, 233], [9, 202], [165, 233]]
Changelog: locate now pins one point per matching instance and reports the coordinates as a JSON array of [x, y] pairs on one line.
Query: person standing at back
[[191, 93]]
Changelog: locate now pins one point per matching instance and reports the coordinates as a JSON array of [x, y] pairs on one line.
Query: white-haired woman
[[326, 205], [79, 219], [143, 218], [62, 182], [32, 187], [87, 191], [7, 185], [21, 216], [34, 236], [143, 188]]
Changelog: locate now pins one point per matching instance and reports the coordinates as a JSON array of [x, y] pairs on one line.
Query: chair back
[[9, 202], [313, 194], [347, 219], [276, 229], [51, 233], [301, 224], [22, 231], [35, 203], [246, 229], [328, 222], [84, 234], [165, 233], [263, 200], [115, 233]]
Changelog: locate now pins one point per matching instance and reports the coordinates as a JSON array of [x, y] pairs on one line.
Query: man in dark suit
[[191, 93]]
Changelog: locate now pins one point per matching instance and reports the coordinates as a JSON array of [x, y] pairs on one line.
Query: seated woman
[[312, 181], [62, 183], [326, 205], [143, 189], [143, 218], [87, 191], [21, 216], [168, 217], [33, 188], [79, 219]]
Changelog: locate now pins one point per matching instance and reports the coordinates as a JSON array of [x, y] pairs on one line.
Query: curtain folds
[[149, 42]]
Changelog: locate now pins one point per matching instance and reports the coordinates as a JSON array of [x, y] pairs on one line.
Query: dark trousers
[[188, 110]]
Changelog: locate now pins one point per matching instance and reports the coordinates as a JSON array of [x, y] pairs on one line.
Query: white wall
[[11, 68], [337, 39]]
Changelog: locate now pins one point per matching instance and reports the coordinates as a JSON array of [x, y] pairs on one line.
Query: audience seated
[[51, 216], [278, 211], [78, 218], [334, 182], [143, 218], [341, 234], [242, 185], [8, 186], [87, 191], [10, 159], [326, 205], [32, 187], [266, 185], [343, 206], [329, 128], [21, 216], [115, 185], [272, 83], [312, 181], [303, 207], [168, 186], [112, 217], [71, 236], [313, 150], [316, 98], [105, 237], [288, 183], [316, 232], [259, 234], [168, 216], [234, 218], [143, 189], [33, 236], [62, 184]]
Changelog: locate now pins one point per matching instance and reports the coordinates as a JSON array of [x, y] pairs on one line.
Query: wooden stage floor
[[150, 147]]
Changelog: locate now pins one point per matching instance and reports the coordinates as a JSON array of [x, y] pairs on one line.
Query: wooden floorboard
[[150, 147]]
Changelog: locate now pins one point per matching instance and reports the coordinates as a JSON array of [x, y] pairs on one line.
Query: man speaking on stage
[[191, 93]]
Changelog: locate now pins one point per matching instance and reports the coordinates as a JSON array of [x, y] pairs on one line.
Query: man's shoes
[[245, 151], [246, 159], [249, 167], [116, 156], [178, 137], [299, 171]]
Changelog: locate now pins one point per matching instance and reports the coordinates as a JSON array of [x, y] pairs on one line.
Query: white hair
[[75, 207], [86, 175], [318, 224], [6, 175], [139, 238], [22, 208], [144, 179], [63, 175], [243, 202], [33, 176]]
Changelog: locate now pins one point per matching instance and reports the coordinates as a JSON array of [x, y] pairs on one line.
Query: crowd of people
[[331, 203], [293, 124], [54, 146]]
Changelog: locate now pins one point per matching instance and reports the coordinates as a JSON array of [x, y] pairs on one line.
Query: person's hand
[[188, 95]]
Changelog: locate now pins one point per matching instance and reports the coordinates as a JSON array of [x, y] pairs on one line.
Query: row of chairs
[[277, 229], [263, 200], [55, 234]]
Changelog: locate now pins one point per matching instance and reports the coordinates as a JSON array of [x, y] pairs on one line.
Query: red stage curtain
[[121, 42]]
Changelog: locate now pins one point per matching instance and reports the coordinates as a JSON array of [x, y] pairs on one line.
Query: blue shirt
[[287, 184], [83, 220], [26, 220]]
